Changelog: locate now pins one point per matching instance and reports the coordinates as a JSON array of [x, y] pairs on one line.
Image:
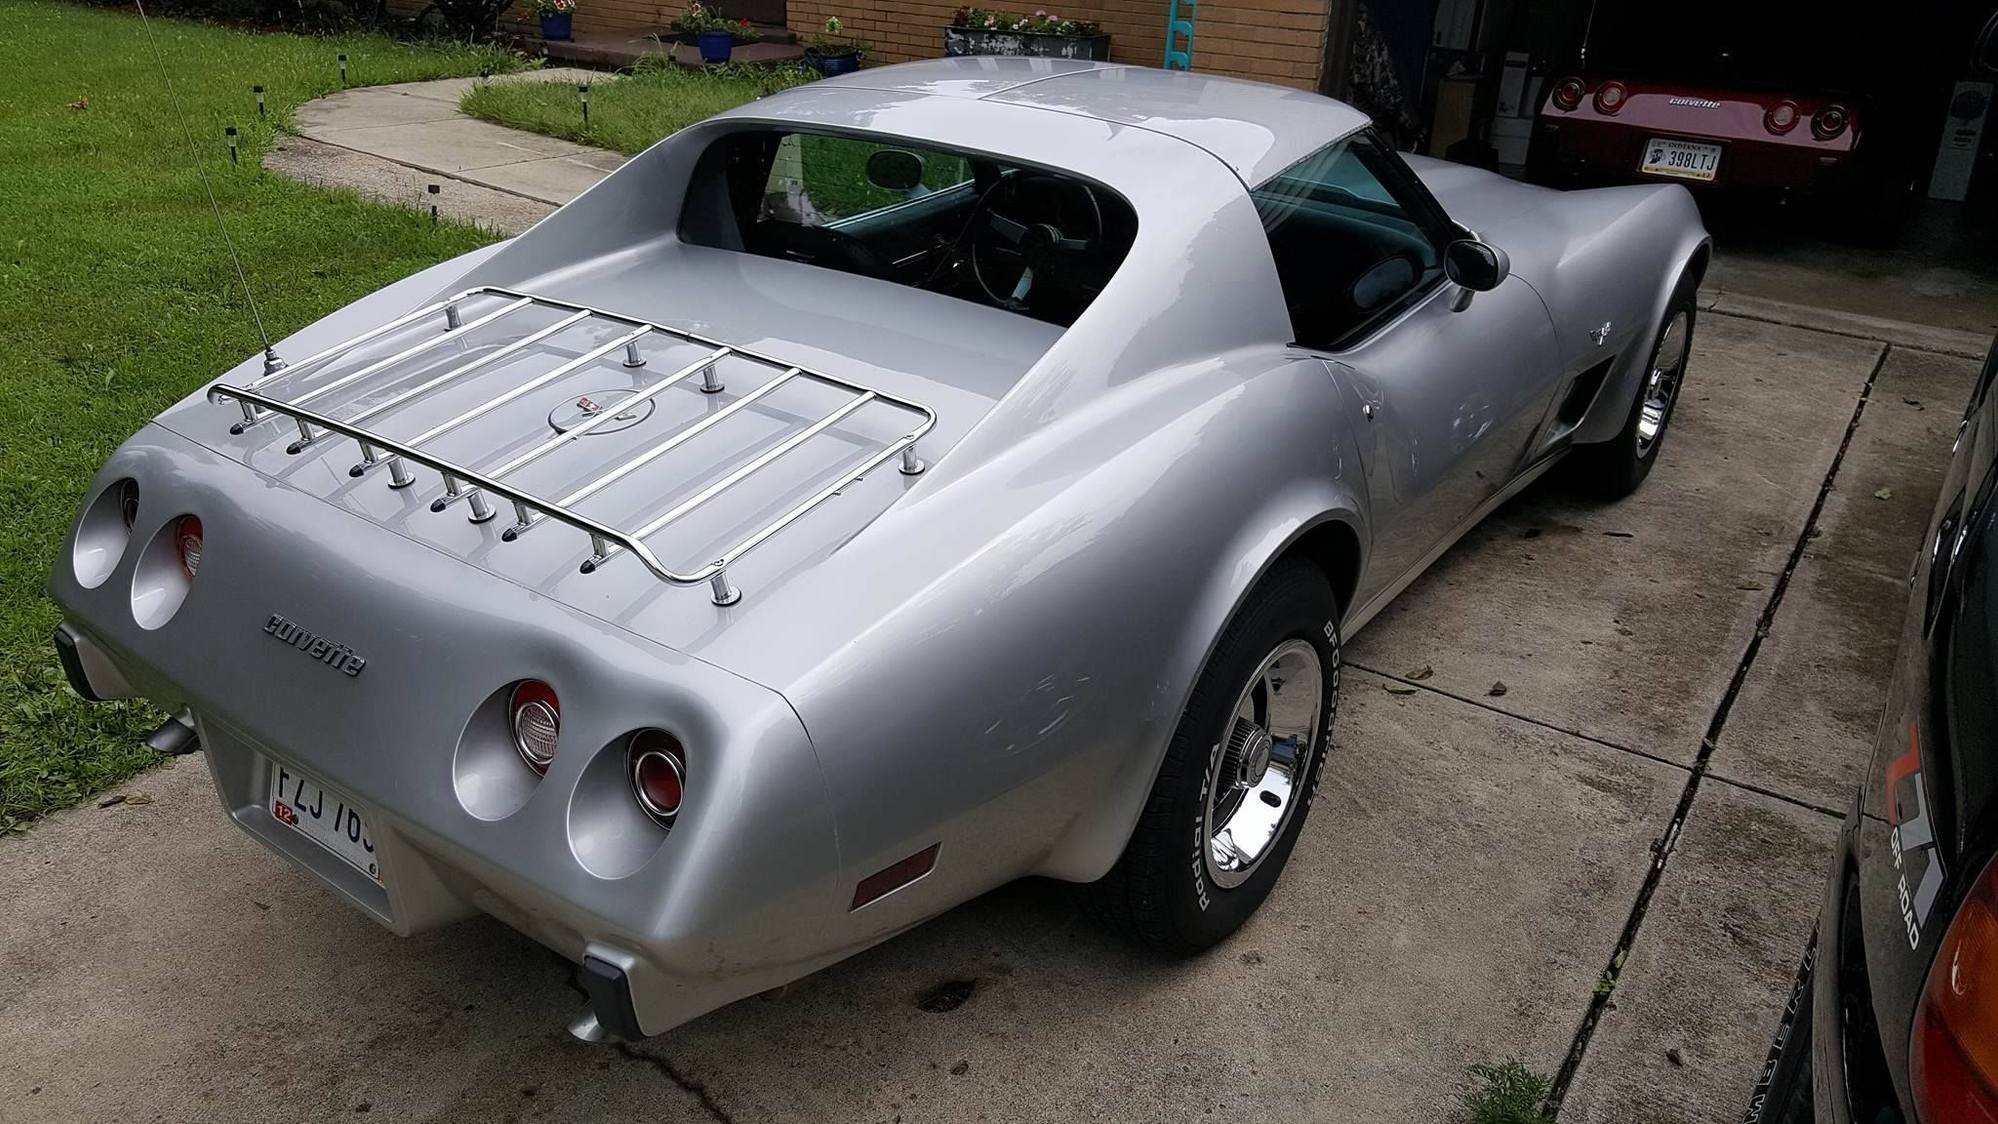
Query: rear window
[[1032, 241]]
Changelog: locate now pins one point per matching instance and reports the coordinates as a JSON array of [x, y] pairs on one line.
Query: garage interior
[[1464, 80]]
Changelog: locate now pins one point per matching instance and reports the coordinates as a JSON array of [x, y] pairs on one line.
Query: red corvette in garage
[[1636, 129], [1724, 99]]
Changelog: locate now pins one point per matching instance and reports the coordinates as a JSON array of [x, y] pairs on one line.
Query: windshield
[[1028, 240]]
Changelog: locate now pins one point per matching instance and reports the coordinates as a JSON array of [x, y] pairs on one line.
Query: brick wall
[[591, 15], [1280, 41], [1270, 40]]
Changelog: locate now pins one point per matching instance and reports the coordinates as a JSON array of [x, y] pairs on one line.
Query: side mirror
[[894, 169], [1475, 265]]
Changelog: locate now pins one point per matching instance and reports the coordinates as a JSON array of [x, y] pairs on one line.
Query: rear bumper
[[743, 893], [1580, 149]]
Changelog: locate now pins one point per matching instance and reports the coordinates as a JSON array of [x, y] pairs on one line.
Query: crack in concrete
[[1667, 842], [1850, 332], [1593, 740], [697, 1089], [1528, 719]]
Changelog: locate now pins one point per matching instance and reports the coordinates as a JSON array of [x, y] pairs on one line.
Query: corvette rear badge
[[339, 657]]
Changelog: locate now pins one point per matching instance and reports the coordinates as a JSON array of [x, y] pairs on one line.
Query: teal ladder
[[1180, 23]]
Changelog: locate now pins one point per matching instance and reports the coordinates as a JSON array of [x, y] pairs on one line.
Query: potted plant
[[715, 34], [978, 31], [831, 53], [556, 16]]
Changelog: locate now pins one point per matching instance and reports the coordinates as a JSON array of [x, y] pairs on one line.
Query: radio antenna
[[272, 363]]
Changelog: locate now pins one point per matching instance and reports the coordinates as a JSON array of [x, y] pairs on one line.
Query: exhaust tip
[[175, 736], [586, 1028]]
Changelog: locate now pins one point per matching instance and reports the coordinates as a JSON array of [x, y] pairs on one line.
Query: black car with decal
[[1894, 1017]]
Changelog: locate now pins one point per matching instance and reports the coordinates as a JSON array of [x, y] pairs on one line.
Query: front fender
[[1606, 283]]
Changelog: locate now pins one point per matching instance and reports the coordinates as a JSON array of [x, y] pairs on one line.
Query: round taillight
[[1830, 122], [536, 719], [658, 774], [1609, 98], [187, 541], [128, 502], [1781, 118], [1568, 93]]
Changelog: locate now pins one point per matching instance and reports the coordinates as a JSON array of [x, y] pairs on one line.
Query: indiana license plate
[[324, 816], [1683, 159]]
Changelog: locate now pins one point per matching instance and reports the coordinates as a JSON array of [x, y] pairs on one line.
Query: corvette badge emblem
[[339, 657]]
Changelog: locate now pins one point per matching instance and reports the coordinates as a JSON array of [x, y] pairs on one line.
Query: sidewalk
[[392, 142]]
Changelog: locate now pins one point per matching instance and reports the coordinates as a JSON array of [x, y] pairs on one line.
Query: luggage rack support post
[[711, 379], [482, 508], [399, 476], [911, 463], [452, 320], [726, 591], [631, 356]]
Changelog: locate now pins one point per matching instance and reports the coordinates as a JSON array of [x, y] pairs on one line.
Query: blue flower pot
[[556, 26], [832, 66], [715, 45]]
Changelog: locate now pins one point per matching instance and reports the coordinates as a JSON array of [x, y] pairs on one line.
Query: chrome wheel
[[1661, 385], [1261, 762]]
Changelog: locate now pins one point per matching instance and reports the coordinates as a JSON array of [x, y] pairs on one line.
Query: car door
[[1447, 386]]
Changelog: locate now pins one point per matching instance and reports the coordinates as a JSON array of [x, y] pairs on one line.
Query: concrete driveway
[[1587, 774]]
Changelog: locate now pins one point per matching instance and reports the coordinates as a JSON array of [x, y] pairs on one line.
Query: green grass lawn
[[118, 298], [627, 114], [630, 114]]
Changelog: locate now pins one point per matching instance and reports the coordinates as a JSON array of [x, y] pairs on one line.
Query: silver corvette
[[868, 496]]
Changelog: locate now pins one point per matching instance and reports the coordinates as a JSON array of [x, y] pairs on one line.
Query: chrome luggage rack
[[475, 486]]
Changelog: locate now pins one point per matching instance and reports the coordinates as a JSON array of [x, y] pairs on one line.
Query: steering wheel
[[1022, 226]]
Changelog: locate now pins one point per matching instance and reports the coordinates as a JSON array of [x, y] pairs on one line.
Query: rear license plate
[[324, 816], [1684, 159]]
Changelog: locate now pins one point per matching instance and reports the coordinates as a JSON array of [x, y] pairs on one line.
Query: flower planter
[[994, 41], [557, 27], [832, 66], [715, 45]]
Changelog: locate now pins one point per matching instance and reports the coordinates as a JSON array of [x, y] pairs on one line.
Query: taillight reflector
[[894, 876], [1568, 93], [535, 717], [1830, 122], [1610, 97], [658, 774], [1781, 118], [187, 541]]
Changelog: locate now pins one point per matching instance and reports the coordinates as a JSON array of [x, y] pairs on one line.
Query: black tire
[[1783, 1093], [1155, 895], [1613, 469]]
